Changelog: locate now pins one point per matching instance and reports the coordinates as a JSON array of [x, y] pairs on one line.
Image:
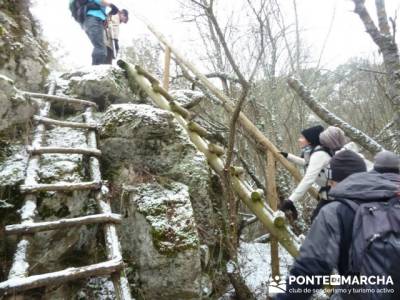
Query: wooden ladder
[[18, 279]]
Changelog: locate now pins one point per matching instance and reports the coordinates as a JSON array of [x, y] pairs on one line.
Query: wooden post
[[167, 64], [272, 197]]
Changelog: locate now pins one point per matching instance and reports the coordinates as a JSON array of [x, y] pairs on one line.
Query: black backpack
[[79, 9], [375, 244]]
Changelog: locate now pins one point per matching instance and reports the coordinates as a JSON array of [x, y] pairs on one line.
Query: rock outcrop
[[167, 199], [158, 181], [14, 108], [23, 54], [102, 84]]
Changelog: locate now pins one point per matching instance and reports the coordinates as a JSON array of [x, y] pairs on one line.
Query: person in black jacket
[[327, 246]]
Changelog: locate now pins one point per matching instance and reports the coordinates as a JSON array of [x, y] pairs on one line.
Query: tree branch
[[382, 17], [356, 135], [369, 24]]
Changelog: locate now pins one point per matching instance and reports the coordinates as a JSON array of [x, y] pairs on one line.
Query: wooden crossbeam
[[18, 285], [26, 228], [63, 150], [49, 121], [65, 186], [67, 100]]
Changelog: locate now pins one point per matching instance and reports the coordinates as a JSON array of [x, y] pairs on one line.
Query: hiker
[[94, 28], [314, 159], [334, 139], [386, 162], [343, 164], [342, 233], [112, 33]]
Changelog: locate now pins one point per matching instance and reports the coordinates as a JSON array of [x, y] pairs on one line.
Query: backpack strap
[[352, 204], [321, 148], [347, 215]]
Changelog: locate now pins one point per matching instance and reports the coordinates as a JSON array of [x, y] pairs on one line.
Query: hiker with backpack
[[334, 139], [112, 33], [314, 159], [91, 15], [343, 164], [357, 234]]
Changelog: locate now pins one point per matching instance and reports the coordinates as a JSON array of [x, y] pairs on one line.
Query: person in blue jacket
[[94, 28]]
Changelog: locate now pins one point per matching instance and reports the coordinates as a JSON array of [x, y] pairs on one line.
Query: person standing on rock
[[94, 27], [112, 33]]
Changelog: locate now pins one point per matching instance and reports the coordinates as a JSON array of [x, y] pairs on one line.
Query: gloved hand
[[288, 206], [114, 9], [284, 154], [116, 45]]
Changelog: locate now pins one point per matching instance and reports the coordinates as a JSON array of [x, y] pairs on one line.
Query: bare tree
[[384, 37]]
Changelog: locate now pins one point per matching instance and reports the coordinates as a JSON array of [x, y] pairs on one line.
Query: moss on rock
[[168, 211]]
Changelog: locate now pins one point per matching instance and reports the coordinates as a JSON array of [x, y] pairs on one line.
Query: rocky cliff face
[[14, 108], [23, 54], [159, 182], [167, 201]]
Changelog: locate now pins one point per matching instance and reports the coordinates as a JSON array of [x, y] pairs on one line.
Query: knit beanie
[[332, 138], [312, 134], [345, 163], [387, 162]]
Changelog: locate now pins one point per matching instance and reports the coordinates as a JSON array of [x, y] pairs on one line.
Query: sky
[[328, 25]]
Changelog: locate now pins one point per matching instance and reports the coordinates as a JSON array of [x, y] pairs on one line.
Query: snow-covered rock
[[163, 242], [140, 141], [104, 84], [14, 108], [13, 165], [168, 200], [23, 54], [187, 98]]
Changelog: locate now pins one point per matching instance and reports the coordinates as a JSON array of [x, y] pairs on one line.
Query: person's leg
[[109, 56], [95, 30]]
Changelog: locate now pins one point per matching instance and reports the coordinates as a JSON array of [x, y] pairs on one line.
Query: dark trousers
[[110, 56], [94, 28]]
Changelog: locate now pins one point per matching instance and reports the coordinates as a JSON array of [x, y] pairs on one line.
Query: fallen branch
[[354, 134]]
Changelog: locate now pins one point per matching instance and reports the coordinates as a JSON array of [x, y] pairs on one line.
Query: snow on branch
[[353, 133]]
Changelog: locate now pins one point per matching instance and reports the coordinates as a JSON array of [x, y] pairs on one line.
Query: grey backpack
[[375, 245]]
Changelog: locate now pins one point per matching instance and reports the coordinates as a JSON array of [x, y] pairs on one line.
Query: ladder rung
[[63, 150], [66, 186], [17, 285], [62, 223], [49, 121], [61, 99]]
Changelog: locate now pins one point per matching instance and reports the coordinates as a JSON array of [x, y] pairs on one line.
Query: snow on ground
[[255, 264]]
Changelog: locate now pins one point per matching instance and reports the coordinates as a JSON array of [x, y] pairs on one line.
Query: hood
[[332, 138], [368, 186]]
